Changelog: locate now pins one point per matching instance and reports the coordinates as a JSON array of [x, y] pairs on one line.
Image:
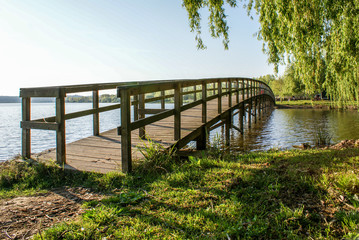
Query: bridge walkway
[[103, 153]]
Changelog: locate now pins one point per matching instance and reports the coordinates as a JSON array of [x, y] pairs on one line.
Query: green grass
[[305, 103], [31, 178], [300, 194]]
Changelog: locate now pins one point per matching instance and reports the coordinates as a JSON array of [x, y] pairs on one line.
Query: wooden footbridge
[[187, 111]]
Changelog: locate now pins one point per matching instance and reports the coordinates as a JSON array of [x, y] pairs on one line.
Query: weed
[[350, 223], [322, 138], [216, 147], [156, 157], [123, 198], [348, 182], [102, 215]]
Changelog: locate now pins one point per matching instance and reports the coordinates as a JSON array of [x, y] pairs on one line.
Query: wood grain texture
[[102, 153]]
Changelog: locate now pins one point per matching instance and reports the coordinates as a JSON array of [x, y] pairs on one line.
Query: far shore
[[310, 104]]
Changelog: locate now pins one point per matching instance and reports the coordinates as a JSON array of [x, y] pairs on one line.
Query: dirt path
[[22, 217]]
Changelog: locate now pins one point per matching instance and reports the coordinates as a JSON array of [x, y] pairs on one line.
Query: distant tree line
[[287, 86], [105, 98], [9, 99], [15, 99]]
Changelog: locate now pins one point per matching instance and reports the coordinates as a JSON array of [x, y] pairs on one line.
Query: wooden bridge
[[188, 110]]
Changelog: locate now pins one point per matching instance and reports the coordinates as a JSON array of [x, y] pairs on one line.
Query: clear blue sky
[[61, 42]]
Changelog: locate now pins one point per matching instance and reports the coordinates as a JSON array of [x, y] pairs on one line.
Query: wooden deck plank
[[103, 153]]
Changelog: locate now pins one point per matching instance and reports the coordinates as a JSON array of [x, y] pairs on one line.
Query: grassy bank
[[326, 104], [310, 194]]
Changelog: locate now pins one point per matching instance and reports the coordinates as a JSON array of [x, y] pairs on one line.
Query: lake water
[[10, 131], [283, 128]]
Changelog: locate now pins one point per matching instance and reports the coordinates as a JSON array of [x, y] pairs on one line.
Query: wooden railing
[[206, 89], [182, 94]]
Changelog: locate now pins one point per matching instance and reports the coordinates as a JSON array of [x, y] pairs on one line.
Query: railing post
[[229, 87], [195, 94], [177, 114], [163, 105], [204, 102], [126, 131], [250, 104], [219, 96], [242, 85], [252, 88], [243, 106], [61, 131], [255, 102], [237, 91], [135, 107], [141, 105], [247, 88], [26, 133], [96, 118]]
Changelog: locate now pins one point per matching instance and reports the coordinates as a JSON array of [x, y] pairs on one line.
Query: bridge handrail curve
[[57, 123]]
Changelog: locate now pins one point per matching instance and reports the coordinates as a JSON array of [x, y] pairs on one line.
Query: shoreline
[[319, 106]]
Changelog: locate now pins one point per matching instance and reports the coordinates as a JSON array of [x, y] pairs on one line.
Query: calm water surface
[[282, 129], [10, 131], [287, 127]]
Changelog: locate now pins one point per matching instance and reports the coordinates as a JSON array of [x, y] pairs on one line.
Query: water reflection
[[284, 128]]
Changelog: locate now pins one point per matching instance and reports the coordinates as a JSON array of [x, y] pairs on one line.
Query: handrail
[[210, 88], [252, 87]]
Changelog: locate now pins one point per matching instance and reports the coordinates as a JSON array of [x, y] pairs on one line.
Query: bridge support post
[[219, 96], [250, 114], [141, 106], [201, 141], [229, 90], [177, 115], [204, 102], [126, 131], [241, 115], [256, 102], [255, 110], [26, 133], [96, 116], [228, 124], [60, 132], [265, 106], [260, 108], [230, 93]]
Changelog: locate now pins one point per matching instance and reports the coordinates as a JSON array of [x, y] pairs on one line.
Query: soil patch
[[22, 217]]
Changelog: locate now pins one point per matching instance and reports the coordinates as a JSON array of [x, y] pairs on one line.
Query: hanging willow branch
[[319, 37]]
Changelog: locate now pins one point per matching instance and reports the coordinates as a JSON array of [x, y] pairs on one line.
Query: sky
[[65, 42]]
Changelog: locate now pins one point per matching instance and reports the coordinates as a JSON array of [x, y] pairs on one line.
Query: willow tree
[[319, 37]]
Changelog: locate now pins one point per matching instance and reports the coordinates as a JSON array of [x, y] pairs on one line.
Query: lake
[[283, 128], [287, 127], [10, 131]]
